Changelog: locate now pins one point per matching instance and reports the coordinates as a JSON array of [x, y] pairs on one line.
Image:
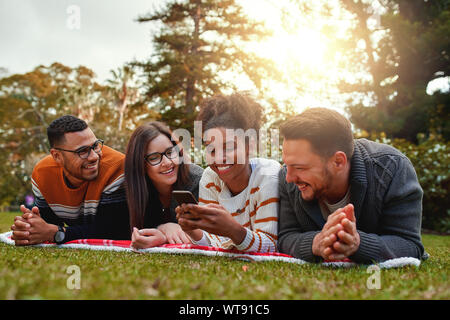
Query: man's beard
[[320, 194]]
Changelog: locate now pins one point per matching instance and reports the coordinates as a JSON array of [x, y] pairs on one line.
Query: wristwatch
[[59, 235]]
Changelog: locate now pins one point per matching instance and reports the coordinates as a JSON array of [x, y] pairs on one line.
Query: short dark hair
[[62, 125], [326, 130], [236, 111]]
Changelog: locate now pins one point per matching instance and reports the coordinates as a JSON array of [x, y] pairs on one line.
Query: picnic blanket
[[125, 245]]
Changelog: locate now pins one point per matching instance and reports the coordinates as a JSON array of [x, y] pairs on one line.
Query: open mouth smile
[[302, 186], [91, 166], [167, 172], [224, 169]]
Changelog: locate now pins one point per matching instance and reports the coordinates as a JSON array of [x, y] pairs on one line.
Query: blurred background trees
[[407, 49]]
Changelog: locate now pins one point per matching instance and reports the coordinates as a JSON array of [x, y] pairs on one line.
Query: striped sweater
[[255, 208], [74, 207]]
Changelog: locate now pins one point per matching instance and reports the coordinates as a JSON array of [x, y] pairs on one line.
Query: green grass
[[41, 273]]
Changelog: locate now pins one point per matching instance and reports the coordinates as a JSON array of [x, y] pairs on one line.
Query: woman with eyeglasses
[[154, 167], [238, 196]]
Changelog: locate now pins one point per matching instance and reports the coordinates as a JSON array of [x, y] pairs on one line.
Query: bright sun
[[299, 48], [300, 42], [304, 47]]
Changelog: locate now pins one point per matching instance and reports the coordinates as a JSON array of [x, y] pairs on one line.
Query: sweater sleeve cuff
[[304, 248], [369, 249], [203, 241], [247, 240], [70, 235]]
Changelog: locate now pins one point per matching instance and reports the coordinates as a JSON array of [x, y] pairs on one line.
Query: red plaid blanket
[[125, 245]]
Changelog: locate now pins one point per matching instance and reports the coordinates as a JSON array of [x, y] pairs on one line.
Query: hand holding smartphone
[[183, 196]]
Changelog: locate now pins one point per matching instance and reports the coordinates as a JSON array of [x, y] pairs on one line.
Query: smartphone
[[183, 196]]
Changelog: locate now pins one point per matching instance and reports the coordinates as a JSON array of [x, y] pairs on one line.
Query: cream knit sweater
[[255, 208]]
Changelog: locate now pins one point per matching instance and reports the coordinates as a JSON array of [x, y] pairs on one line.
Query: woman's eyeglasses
[[155, 158]]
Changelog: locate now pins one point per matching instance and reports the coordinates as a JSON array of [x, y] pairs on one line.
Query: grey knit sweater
[[388, 207]]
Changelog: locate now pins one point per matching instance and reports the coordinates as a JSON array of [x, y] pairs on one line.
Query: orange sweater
[[68, 204]]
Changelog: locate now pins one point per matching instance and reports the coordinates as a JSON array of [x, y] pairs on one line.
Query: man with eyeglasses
[[78, 189]]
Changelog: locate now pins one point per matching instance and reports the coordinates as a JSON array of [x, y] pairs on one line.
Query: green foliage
[[402, 55], [431, 160]]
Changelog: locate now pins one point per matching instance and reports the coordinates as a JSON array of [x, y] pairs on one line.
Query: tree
[[26, 104], [197, 41], [125, 94], [124, 108], [402, 55]]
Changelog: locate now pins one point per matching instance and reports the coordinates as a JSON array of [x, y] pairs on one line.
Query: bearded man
[[344, 198]]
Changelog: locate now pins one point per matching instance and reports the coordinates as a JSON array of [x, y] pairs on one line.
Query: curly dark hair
[[236, 111], [62, 125]]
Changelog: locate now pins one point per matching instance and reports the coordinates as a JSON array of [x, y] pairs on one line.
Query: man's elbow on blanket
[[298, 245]]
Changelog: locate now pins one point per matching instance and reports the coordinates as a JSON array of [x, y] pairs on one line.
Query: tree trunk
[[122, 105], [190, 86]]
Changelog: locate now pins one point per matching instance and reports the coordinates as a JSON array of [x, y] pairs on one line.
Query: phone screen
[[184, 197]]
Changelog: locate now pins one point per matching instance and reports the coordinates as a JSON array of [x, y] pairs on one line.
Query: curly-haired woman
[[238, 196]]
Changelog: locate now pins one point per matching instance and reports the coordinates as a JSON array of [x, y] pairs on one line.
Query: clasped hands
[[339, 238], [30, 228]]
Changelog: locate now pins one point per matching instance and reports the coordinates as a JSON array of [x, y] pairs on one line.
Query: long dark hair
[[135, 174]]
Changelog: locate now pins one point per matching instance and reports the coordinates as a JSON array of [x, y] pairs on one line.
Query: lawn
[[41, 273]]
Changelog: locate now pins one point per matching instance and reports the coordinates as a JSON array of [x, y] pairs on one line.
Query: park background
[[384, 64]]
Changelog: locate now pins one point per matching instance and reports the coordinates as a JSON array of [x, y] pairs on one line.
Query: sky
[[35, 32]]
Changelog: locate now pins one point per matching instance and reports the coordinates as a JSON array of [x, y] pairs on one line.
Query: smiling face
[[226, 154], [306, 169], [166, 172], [78, 170]]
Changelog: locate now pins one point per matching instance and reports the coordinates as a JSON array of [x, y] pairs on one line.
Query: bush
[[431, 160]]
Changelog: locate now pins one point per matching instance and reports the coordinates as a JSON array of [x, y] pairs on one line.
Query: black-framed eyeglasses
[[155, 158], [84, 152]]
